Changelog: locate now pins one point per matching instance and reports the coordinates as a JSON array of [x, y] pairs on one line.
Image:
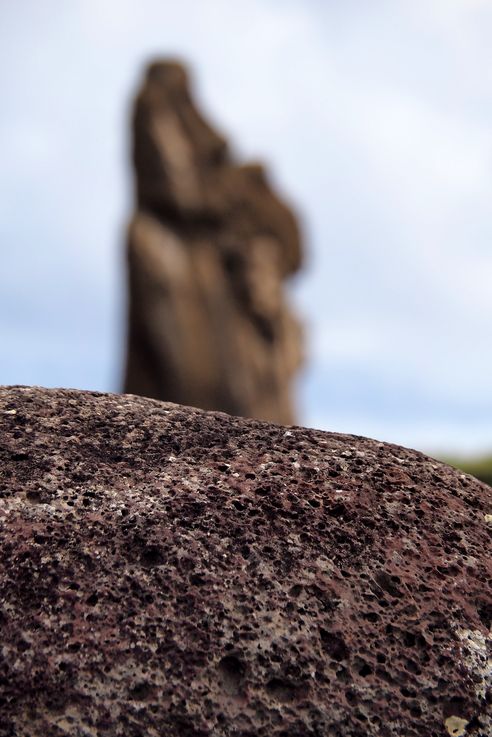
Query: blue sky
[[375, 120]]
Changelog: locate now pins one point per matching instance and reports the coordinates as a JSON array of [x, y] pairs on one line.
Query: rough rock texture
[[209, 250], [166, 572]]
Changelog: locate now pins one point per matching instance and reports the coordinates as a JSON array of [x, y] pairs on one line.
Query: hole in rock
[[33, 496], [142, 691], [388, 583], [284, 691], [197, 579], [338, 510], [20, 456], [152, 556], [333, 644], [296, 590], [231, 672]]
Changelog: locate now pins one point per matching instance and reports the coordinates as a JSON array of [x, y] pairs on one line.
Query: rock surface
[[171, 572], [210, 247]]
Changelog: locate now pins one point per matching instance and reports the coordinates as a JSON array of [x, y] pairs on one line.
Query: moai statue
[[209, 249]]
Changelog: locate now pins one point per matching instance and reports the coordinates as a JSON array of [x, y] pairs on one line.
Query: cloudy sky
[[376, 121]]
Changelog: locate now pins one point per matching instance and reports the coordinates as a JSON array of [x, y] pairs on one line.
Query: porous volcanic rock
[[209, 250], [167, 572]]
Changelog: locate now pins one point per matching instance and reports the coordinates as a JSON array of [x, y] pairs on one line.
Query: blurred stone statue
[[209, 249]]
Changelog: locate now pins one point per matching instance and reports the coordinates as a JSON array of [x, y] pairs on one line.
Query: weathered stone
[[166, 572], [209, 250]]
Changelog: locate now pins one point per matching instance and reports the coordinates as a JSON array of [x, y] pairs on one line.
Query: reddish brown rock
[[210, 248], [170, 572]]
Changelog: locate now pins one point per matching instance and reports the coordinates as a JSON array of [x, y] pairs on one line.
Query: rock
[[171, 572], [210, 248]]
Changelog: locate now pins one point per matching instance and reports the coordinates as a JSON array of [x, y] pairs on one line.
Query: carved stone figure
[[210, 247]]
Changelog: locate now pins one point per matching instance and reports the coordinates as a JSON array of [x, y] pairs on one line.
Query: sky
[[375, 120]]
